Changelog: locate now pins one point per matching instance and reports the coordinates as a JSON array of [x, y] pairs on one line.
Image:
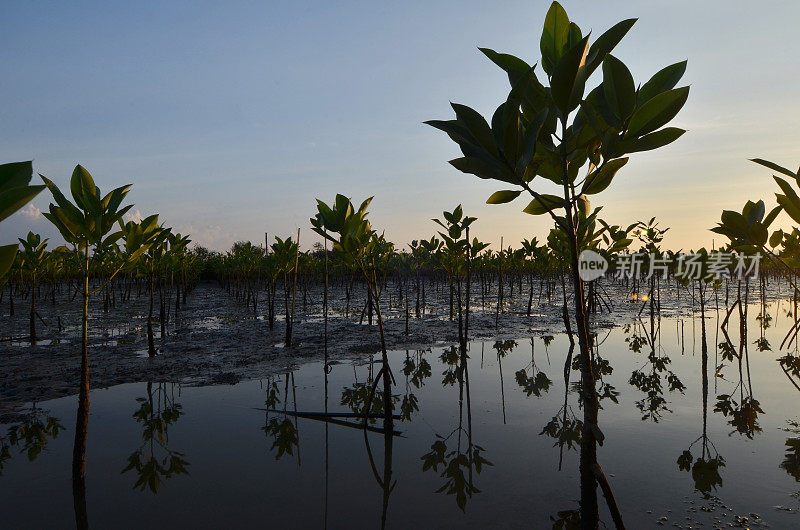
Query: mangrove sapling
[[499, 256], [14, 194], [178, 246], [474, 249], [34, 259], [86, 225], [416, 257], [325, 331], [748, 230], [144, 242], [554, 132], [650, 235], [606, 240], [531, 252], [294, 290], [357, 243], [271, 271], [285, 254], [610, 241], [452, 256], [430, 248]]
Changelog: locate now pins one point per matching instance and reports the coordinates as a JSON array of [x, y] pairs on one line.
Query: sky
[[231, 118]]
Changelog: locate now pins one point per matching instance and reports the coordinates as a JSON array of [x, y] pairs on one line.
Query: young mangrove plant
[[556, 131], [284, 253], [14, 194], [357, 243], [454, 257], [144, 245], [86, 225], [34, 259], [748, 232]]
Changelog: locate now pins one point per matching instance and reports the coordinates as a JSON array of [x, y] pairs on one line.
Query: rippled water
[[484, 435]]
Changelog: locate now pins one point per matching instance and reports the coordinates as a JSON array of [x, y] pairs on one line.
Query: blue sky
[[231, 118]]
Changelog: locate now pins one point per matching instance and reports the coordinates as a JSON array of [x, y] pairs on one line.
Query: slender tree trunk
[[33, 313], [588, 458], [288, 317], [162, 316], [151, 348], [82, 420], [369, 307]]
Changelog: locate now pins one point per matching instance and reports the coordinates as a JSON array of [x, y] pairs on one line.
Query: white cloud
[[135, 216], [211, 236], [31, 211]]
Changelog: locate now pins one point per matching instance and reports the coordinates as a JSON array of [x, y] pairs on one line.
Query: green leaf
[[754, 211], [71, 210], [527, 92], [790, 201], [776, 238], [599, 179], [114, 198], [786, 188], [575, 34], [596, 112], [569, 77], [606, 42], [771, 216], [13, 199], [7, 255], [477, 126], [503, 196], [15, 174], [775, 167], [654, 140], [663, 80], [555, 37], [791, 207], [458, 213], [547, 203], [483, 169], [82, 185], [512, 65], [511, 133], [657, 112], [529, 141], [618, 87]]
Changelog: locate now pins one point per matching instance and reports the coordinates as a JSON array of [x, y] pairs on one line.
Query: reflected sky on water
[[491, 439]]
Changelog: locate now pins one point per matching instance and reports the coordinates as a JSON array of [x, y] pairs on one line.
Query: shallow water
[[236, 475]]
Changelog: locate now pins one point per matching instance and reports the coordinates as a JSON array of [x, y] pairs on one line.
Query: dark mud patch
[[214, 339]]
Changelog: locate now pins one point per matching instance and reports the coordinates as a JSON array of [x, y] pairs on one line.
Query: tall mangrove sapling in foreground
[[558, 132], [86, 224], [358, 245]]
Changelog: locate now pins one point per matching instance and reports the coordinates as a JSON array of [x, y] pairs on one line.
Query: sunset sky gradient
[[231, 118]]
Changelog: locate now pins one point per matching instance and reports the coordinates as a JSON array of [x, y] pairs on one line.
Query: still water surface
[[161, 454]]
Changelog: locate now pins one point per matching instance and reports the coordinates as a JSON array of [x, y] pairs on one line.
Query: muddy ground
[[215, 339]]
